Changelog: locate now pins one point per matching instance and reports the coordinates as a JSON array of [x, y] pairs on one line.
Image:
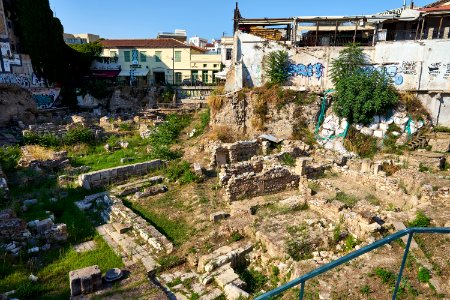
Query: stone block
[[217, 216], [232, 292], [226, 277], [121, 228], [85, 281], [150, 265]]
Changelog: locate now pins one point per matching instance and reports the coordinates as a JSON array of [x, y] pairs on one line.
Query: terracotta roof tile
[[144, 43]]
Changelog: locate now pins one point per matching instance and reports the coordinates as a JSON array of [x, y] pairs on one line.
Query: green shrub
[[276, 65], [421, 220], [348, 200], [424, 274], [287, 160], [236, 236], [78, 135], [180, 171], [360, 93], [363, 145], [44, 140], [254, 280], [299, 249], [205, 117], [350, 242], [126, 127], [442, 129], [9, 157]]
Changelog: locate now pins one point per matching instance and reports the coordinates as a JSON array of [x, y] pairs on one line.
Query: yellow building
[[160, 61]]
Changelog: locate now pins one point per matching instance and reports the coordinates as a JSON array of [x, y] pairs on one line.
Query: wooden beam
[[317, 32], [356, 29], [417, 29], [440, 26], [421, 30], [335, 32]]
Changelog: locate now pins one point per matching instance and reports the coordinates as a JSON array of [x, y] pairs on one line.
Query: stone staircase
[[420, 140]]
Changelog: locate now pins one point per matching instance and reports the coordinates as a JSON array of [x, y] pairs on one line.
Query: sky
[[205, 18]]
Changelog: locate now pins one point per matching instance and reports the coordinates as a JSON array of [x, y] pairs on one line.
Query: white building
[[198, 41]]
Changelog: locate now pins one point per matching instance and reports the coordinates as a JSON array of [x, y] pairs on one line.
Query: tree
[[93, 49], [361, 92], [41, 35], [276, 65]]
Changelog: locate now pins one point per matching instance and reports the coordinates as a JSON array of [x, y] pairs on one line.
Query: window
[[216, 65], [205, 65], [205, 76], [219, 51], [178, 77], [177, 56], [158, 55], [127, 56], [194, 75], [113, 53], [143, 56], [228, 57], [214, 76]]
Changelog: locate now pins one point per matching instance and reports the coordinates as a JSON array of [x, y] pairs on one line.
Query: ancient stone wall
[[227, 171], [271, 180], [118, 174], [234, 152]]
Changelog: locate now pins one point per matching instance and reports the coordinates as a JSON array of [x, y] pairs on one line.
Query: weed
[[255, 280], [373, 200], [216, 99], [126, 126], [170, 261], [424, 275], [348, 200], [205, 117], [363, 145], [421, 220], [387, 277], [180, 171], [287, 160], [222, 133], [314, 186], [350, 242], [299, 249], [194, 296], [174, 282], [442, 129], [365, 290], [235, 236], [390, 169], [423, 168]]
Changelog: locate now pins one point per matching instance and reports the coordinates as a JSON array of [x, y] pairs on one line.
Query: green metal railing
[[302, 280]]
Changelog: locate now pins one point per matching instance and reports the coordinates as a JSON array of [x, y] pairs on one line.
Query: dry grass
[[39, 153], [223, 133], [216, 99], [413, 106]]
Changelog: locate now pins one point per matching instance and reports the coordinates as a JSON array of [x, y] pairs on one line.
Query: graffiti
[[8, 58], [310, 70], [409, 67], [447, 71], [433, 69], [15, 79], [46, 98]]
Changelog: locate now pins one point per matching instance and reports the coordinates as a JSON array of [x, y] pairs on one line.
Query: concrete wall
[[108, 176], [421, 66]]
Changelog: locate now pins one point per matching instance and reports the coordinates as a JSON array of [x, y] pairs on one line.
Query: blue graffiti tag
[[308, 71], [392, 71]]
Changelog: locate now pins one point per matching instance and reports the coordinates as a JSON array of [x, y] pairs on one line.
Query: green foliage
[[360, 94], [180, 171], [125, 126], [387, 277], [363, 145], [423, 168], [421, 220], [255, 280], [365, 290], [442, 129], [205, 117], [93, 49], [235, 236], [350, 242], [390, 140], [424, 274], [287, 160], [170, 261], [276, 66], [9, 157], [348, 200], [75, 135], [99, 89], [299, 249], [174, 282]]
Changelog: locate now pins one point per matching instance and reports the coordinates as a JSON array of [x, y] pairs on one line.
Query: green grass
[[386, 276], [424, 274], [176, 229], [348, 200], [287, 160], [421, 220]]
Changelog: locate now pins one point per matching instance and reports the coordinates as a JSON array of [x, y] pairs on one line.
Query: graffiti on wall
[[308, 71], [22, 80], [447, 71], [393, 71], [45, 98], [8, 58], [434, 69], [409, 67]]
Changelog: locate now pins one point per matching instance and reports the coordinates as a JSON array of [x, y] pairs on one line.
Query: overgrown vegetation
[[180, 171], [424, 275], [216, 99], [390, 140], [205, 117], [299, 247], [348, 200], [75, 135], [254, 280], [361, 92], [413, 106], [363, 145], [276, 65], [9, 157], [287, 160]]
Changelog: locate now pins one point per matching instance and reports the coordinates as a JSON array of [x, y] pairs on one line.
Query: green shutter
[[143, 56], [177, 56], [127, 56]]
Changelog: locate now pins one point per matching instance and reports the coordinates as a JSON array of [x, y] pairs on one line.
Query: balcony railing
[[303, 279]]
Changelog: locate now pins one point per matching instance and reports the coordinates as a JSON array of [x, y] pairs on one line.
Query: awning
[[221, 74], [137, 72], [105, 73]]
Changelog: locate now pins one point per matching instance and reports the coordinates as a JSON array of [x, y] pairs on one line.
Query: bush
[[287, 160], [78, 135], [387, 277], [216, 99], [44, 140], [75, 135], [205, 117], [222, 133], [9, 157], [299, 249], [361, 92], [421, 220], [180, 171], [346, 199], [276, 66], [363, 145]]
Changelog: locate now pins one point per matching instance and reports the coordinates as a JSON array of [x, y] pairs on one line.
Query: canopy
[[137, 72]]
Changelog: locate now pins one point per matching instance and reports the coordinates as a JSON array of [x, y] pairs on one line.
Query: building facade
[[161, 61], [80, 38]]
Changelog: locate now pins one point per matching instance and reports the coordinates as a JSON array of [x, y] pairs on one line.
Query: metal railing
[[302, 280]]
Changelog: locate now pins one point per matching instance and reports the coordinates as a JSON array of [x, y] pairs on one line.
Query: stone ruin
[[245, 173]]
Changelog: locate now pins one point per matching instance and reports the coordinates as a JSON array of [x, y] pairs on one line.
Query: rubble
[[85, 281]]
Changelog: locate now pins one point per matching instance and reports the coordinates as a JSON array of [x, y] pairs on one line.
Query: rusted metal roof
[[437, 8]]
